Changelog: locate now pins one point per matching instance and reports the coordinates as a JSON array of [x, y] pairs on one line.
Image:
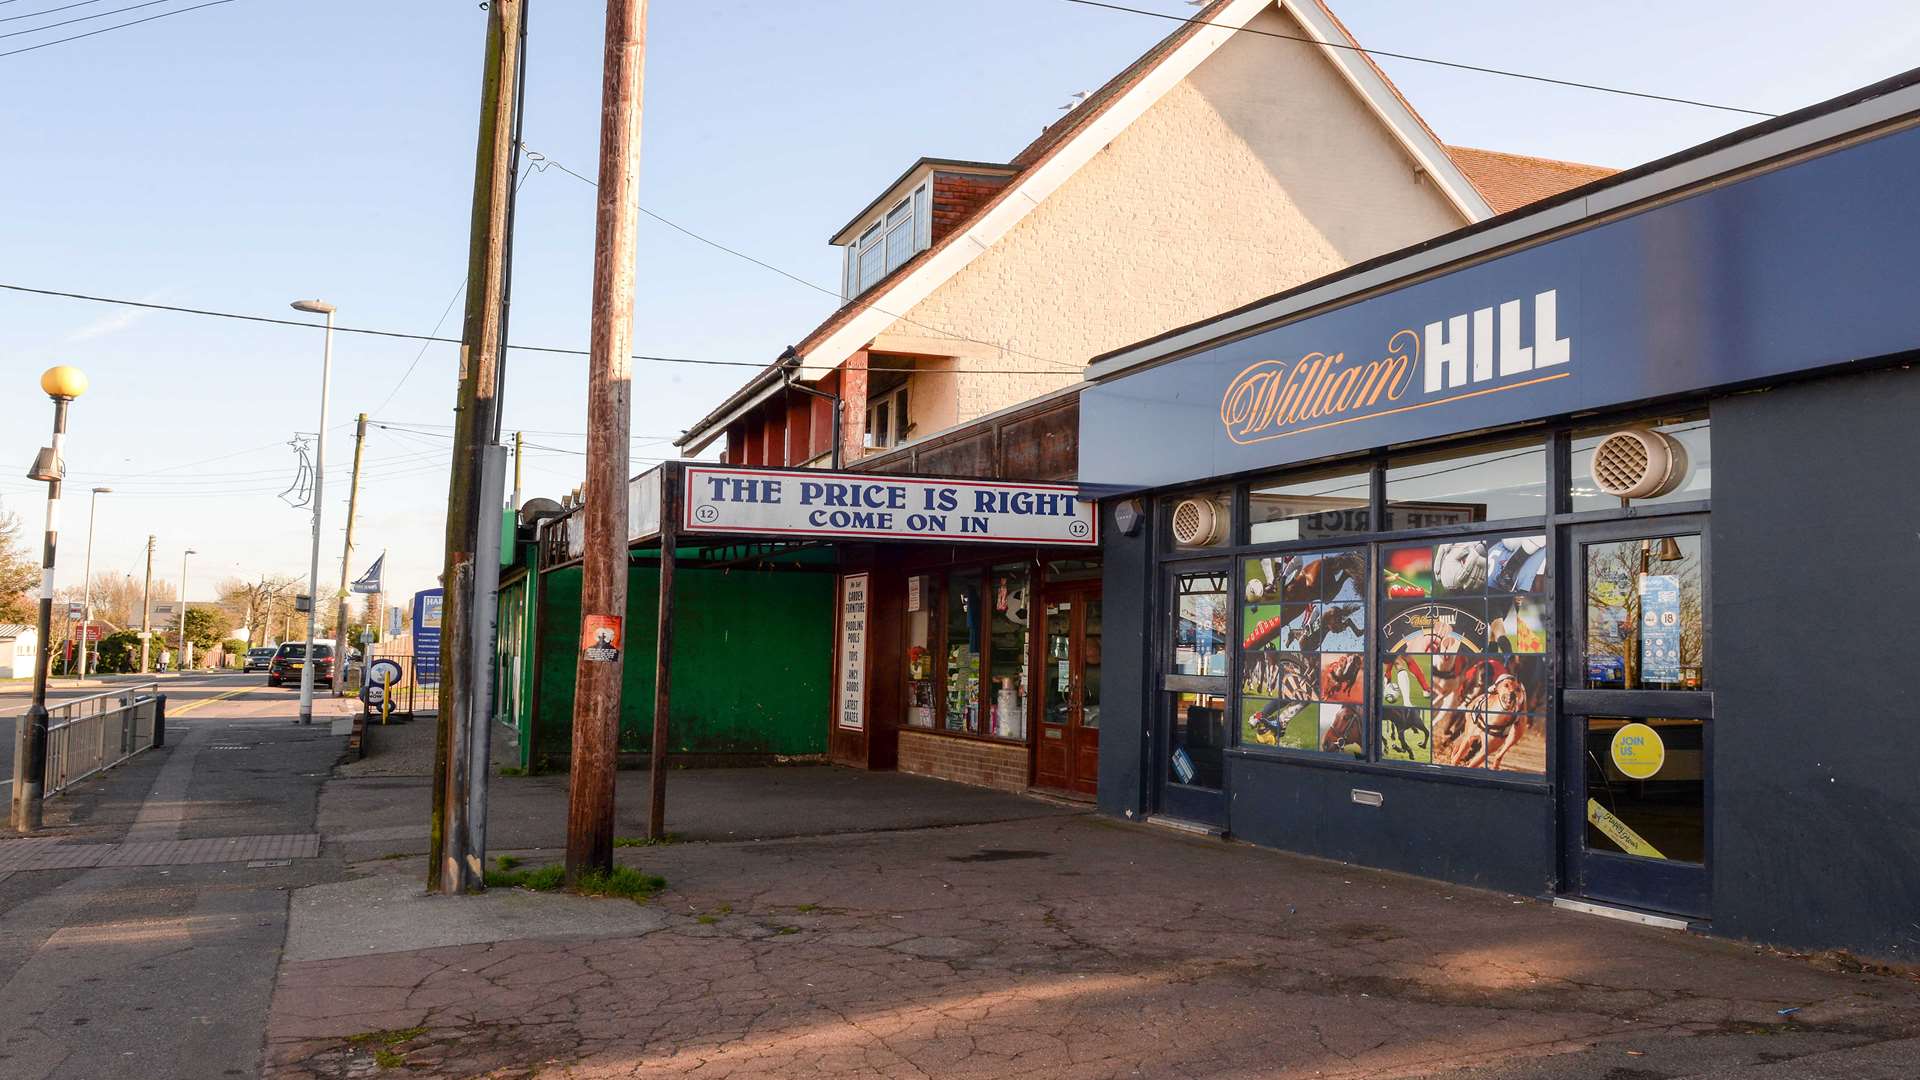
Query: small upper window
[[1696, 465], [1491, 484], [887, 419], [889, 242]]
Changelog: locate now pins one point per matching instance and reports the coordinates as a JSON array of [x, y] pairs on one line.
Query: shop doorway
[[1637, 717], [1067, 753], [1190, 732]]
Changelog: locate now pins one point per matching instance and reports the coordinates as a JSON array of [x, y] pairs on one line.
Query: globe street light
[[62, 384], [316, 307], [86, 583]]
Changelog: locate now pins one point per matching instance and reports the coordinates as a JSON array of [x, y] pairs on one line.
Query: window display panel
[[1463, 653], [1305, 509], [964, 623], [1008, 662], [1455, 489], [1303, 651], [1200, 624], [1643, 614]]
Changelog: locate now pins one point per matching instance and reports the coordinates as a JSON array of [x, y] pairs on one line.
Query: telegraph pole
[[603, 587], [455, 865], [342, 643], [146, 610]]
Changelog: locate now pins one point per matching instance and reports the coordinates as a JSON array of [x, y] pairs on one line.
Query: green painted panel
[[752, 661]]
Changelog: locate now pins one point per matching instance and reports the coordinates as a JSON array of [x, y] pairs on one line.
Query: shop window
[[1494, 484], [1198, 739], [1007, 662], [986, 661], [1644, 629], [922, 600], [1201, 624], [1464, 631], [965, 622], [1074, 570], [1303, 682], [1325, 506], [1200, 520], [1693, 434]]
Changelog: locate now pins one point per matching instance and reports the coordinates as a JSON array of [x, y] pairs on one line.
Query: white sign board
[[798, 502], [643, 505], [851, 692]]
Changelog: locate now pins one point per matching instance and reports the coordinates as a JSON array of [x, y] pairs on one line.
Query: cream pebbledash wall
[[1262, 169]]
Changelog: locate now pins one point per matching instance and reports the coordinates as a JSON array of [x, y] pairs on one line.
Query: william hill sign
[[1481, 352]]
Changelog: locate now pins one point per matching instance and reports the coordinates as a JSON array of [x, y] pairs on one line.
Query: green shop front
[[1568, 554]]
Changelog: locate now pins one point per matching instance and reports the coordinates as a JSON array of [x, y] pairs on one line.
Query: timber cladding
[[966, 761]]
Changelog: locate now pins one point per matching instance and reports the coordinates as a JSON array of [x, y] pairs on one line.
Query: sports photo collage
[[1463, 648], [1303, 651]]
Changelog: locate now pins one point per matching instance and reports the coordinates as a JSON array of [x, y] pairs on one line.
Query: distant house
[[17, 647]]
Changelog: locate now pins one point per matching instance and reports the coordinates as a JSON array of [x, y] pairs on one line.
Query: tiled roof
[[1510, 181]]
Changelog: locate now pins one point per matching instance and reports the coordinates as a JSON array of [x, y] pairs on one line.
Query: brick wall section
[[1261, 170], [956, 197], [967, 761]]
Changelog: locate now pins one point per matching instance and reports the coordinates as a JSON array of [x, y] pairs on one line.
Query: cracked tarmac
[[1072, 946]]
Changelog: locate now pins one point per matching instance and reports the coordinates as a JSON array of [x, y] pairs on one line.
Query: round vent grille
[[1639, 463], [1197, 522]]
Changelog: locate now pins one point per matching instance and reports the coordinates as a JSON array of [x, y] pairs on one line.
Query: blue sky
[[249, 154]]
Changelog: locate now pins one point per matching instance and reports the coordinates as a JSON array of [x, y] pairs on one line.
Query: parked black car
[[288, 660], [260, 659]]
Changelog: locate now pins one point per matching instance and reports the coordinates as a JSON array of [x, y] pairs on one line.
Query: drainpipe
[[834, 398]]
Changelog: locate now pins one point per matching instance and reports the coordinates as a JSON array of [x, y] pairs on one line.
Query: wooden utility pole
[[453, 866], [146, 612], [603, 586], [343, 639]]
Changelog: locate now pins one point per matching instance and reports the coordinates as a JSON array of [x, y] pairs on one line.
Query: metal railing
[[86, 735]]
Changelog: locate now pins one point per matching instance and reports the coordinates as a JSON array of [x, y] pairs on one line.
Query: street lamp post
[[317, 307], [185, 661], [62, 384], [86, 584]]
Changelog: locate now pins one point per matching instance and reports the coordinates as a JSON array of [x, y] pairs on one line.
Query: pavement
[[821, 922], [153, 952]]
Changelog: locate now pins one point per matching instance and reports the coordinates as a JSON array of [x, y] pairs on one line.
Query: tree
[[264, 607], [19, 572], [118, 652], [205, 628]]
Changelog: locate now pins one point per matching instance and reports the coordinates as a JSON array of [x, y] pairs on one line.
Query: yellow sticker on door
[[1638, 751], [1619, 832]]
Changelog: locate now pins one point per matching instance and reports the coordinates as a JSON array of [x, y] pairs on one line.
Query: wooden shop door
[[1067, 751]]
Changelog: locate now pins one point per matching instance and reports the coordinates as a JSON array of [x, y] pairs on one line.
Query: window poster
[[1303, 652], [1463, 643]]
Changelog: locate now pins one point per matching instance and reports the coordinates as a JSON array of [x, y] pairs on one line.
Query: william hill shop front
[[1572, 554]]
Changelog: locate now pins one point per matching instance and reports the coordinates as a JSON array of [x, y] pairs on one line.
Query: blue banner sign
[[426, 635], [1804, 267]]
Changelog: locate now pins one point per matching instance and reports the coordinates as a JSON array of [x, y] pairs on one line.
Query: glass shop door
[[1637, 717], [1190, 719]]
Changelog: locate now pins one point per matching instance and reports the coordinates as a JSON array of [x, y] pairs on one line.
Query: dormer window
[[886, 244]]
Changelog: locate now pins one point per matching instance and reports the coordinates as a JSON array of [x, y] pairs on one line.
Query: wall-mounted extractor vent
[[1639, 463], [1198, 523]]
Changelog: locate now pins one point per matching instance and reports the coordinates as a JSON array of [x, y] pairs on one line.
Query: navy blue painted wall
[[1126, 668], [1816, 587], [1491, 837]]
